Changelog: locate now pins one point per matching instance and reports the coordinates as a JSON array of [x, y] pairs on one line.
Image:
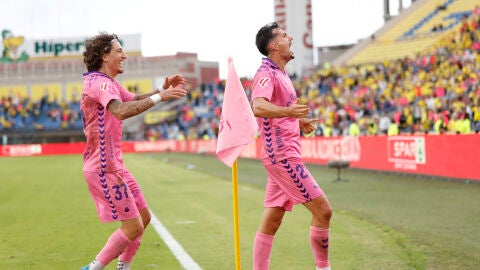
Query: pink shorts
[[290, 183], [117, 195]]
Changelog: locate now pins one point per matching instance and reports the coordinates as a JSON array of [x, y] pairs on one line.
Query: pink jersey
[[102, 129], [280, 136]]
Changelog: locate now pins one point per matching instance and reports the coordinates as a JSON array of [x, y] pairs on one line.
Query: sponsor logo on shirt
[[264, 81]]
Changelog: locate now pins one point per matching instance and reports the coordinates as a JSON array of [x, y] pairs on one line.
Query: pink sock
[[319, 242], [115, 245], [130, 251], [261, 251]]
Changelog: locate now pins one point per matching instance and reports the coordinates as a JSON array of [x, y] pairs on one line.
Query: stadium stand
[[434, 90], [39, 100], [423, 93], [415, 30]]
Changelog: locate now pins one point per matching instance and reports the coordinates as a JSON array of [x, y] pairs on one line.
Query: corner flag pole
[[236, 229], [236, 130]]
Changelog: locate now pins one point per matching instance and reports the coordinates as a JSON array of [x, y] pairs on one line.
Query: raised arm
[[172, 81], [123, 110]]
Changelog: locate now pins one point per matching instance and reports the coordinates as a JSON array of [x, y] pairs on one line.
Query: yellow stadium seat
[[413, 33]]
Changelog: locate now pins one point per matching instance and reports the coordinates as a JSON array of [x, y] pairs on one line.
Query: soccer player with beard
[[104, 104], [280, 119]]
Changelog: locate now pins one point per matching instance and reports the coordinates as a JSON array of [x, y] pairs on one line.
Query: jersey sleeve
[[263, 85], [107, 92], [125, 94]]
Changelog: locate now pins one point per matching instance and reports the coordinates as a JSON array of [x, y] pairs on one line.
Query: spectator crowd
[[436, 91], [22, 114]]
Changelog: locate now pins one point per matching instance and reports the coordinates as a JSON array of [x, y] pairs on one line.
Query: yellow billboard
[[52, 90], [152, 118], [13, 91], [73, 92], [138, 86]]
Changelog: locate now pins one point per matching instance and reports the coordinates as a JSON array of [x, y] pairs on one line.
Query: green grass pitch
[[381, 221]]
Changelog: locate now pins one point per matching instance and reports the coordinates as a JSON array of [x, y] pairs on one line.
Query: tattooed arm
[[146, 95], [123, 110]]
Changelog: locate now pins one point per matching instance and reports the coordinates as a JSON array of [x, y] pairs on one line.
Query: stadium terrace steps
[[387, 51], [408, 21], [412, 31]]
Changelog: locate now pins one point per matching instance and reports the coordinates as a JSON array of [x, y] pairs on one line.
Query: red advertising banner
[[453, 156], [438, 155]]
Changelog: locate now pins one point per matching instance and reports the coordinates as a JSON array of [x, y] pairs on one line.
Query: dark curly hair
[[95, 47], [264, 35]]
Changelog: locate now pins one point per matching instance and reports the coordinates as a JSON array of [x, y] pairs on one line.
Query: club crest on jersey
[[104, 86], [264, 81]]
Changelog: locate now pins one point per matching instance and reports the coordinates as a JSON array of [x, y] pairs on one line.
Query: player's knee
[[275, 224], [323, 213], [133, 230], [271, 226], [146, 221], [327, 212], [137, 231], [146, 217]]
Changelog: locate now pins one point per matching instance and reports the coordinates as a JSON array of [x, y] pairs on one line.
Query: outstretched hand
[[174, 81], [307, 125], [173, 93]]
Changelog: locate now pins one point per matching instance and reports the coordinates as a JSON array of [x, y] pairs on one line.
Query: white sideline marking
[[185, 260], [186, 222]]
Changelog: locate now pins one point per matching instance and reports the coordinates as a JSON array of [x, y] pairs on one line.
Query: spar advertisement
[[452, 156]]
